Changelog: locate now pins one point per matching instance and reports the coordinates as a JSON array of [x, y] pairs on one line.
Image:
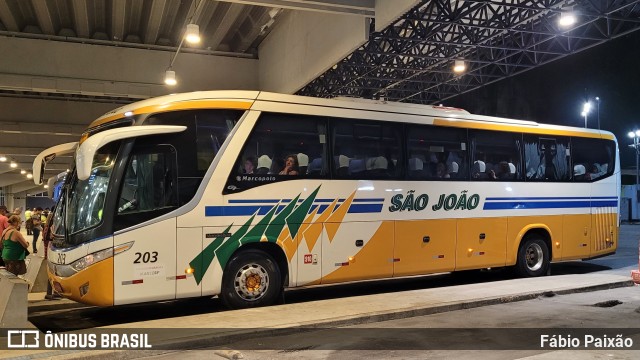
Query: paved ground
[[561, 311]]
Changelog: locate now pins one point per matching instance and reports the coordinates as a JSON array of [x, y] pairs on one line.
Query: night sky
[[554, 93]]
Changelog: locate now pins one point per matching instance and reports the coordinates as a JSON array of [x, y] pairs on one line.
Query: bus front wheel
[[533, 257], [251, 279]]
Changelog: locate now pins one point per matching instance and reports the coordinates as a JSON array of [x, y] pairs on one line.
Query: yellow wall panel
[[576, 235], [372, 261], [424, 246], [481, 243]]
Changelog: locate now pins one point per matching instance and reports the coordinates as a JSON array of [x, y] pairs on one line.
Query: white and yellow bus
[[241, 194]]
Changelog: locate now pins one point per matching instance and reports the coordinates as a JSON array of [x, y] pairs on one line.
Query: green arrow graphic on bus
[[201, 263], [255, 234], [291, 215], [224, 252], [275, 228], [297, 217]]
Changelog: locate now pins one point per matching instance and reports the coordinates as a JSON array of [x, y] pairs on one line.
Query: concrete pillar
[[13, 301], [304, 45]]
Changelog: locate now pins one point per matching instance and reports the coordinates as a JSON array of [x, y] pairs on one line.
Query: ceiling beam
[[7, 18], [154, 22], [117, 19], [344, 7], [44, 17], [81, 18], [224, 19]]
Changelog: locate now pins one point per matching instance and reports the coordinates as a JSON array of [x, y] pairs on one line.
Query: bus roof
[[244, 100]]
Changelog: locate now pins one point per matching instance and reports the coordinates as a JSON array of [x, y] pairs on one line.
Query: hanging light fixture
[[567, 19], [193, 34], [459, 66], [170, 77]]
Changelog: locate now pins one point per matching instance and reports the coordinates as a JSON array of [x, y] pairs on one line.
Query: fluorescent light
[[193, 34], [170, 77], [29, 176], [13, 164], [567, 19], [23, 172], [459, 66], [3, 158]]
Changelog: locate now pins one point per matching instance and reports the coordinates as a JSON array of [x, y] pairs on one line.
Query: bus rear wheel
[[251, 279], [533, 257]]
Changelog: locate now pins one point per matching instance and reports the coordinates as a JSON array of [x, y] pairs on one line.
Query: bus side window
[[547, 158], [150, 181], [365, 149], [274, 139], [592, 159], [495, 155], [436, 153]]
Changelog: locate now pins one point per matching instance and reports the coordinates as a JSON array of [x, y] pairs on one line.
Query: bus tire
[[533, 257], [251, 279]]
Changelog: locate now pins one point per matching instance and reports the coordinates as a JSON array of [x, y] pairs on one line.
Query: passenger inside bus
[[290, 166], [441, 171], [250, 165]]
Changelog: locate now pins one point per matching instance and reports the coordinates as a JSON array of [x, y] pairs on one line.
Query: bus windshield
[[85, 198]]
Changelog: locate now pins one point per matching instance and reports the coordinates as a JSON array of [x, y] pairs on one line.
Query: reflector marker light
[[132, 282]]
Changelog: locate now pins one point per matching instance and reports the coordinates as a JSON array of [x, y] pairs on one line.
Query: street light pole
[[598, 103], [636, 142]]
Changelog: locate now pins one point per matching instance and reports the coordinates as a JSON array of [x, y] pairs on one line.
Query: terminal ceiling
[[410, 60]]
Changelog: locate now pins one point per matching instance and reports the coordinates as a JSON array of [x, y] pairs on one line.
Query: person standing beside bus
[[4, 223], [37, 227], [47, 237], [27, 216], [14, 247]]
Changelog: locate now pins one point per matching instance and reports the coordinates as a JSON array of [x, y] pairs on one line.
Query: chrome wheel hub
[[534, 257], [251, 282]]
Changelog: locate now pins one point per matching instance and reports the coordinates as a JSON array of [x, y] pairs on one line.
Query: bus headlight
[[88, 260], [91, 259]]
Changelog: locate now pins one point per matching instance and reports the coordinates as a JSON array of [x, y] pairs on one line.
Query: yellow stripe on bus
[[180, 105], [515, 128]]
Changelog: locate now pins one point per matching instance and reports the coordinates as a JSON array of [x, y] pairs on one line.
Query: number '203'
[[146, 257]]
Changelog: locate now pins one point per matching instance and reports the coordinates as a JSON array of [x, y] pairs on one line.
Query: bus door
[[147, 271]]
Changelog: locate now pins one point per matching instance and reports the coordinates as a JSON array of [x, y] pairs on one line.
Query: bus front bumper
[[91, 286]]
